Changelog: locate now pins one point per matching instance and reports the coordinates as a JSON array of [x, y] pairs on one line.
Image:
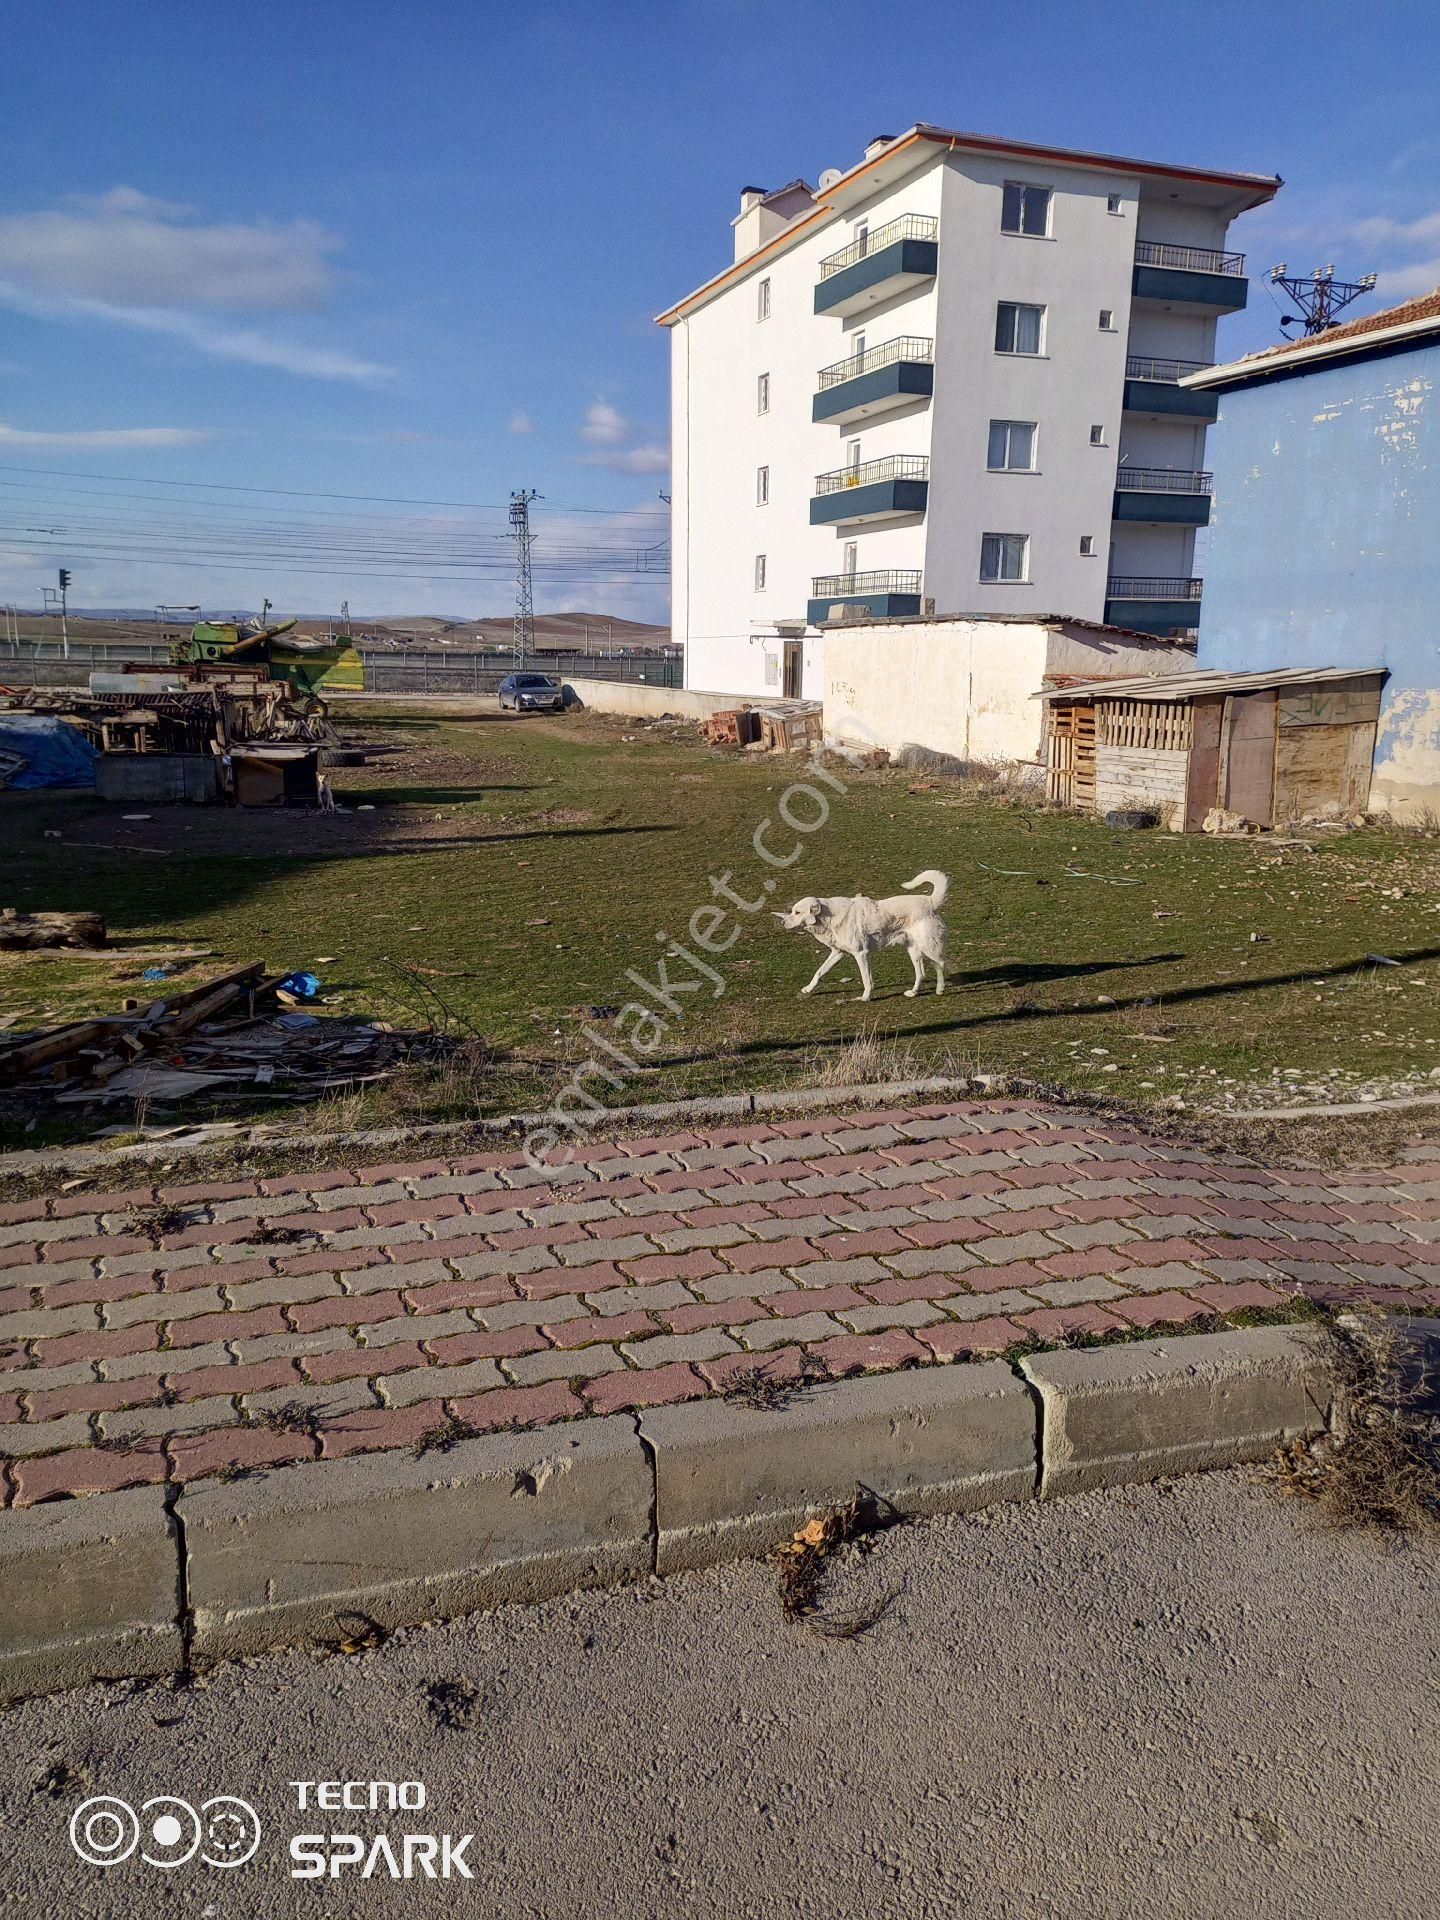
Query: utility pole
[[64, 618], [524, 592], [1319, 295]]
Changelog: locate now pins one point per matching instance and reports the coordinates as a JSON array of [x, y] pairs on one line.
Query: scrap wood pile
[[192, 1043], [210, 716], [792, 728]]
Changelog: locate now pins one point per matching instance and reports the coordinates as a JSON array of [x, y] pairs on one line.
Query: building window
[[1097, 436], [1019, 329], [762, 486], [762, 300], [1004, 557], [1025, 209], [1012, 446], [762, 394], [1087, 543], [759, 573], [1114, 204], [1107, 319], [850, 560]]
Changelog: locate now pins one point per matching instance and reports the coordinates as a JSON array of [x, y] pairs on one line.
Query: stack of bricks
[[321, 1315]]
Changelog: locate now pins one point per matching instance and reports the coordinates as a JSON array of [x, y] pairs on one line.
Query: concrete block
[[733, 1480], [505, 1517], [1151, 1407], [92, 1590]]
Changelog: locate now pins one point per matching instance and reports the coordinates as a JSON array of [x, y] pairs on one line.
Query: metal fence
[[1161, 480], [1143, 366], [909, 226], [1164, 253], [1149, 586], [387, 670], [428, 670], [887, 580], [909, 346], [894, 466]]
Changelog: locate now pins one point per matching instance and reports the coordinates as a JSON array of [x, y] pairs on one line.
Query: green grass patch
[[525, 867]]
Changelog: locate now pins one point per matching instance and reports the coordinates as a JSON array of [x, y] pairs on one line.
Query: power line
[[299, 493]]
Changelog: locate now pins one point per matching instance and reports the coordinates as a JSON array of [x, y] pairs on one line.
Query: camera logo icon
[[167, 1831]]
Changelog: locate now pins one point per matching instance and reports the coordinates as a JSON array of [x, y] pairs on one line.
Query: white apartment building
[[947, 381]]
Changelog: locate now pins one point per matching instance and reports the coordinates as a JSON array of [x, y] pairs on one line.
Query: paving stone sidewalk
[[166, 1335]]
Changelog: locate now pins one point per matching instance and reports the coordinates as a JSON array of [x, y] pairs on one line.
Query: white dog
[[857, 925]]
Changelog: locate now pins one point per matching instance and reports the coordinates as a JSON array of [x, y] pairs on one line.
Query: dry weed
[[1379, 1466]]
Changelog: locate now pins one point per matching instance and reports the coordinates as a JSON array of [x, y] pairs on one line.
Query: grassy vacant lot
[[523, 866]]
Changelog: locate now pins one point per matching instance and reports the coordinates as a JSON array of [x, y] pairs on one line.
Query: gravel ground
[[1185, 1698]]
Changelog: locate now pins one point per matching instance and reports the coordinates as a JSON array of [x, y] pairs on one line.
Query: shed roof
[[1189, 686], [1417, 320]]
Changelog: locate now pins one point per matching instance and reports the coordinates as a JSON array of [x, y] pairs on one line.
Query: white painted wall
[[718, 351], [966, 687]]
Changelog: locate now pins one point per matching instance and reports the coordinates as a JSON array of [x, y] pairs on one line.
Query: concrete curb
[[734, 1481], [91, 1591], [152, 1581], [1109, 1415], [504, 1517]]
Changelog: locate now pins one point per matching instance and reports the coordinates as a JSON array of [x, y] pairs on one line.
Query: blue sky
[[414, 252]]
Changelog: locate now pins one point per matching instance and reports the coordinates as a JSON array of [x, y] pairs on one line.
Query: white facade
[[747, 350], [968, 687]]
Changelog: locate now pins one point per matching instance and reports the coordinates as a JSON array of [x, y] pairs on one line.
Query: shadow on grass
[[1001, 1016]]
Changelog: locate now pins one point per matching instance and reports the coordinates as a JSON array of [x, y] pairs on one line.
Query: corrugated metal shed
[[1189, 686]]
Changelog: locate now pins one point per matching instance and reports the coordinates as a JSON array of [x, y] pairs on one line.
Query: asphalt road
[[1178, 1699]]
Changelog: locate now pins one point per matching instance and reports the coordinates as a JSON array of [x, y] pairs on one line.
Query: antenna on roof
[[1319, 295]]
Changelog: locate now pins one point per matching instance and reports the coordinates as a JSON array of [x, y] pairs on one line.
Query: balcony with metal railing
[[877, 265], [889, 593], [871, 490], [1165, 496], [1153, 603], [897, 373], [1152, 387], [1184, 276]]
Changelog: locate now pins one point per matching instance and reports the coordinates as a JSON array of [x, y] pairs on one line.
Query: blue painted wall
[[1324, 548]]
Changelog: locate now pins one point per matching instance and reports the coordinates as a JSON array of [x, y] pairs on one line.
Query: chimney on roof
[[751, 197], [765, 212], [878, 145]]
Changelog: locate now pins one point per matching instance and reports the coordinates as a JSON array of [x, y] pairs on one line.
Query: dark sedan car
[[532, 693]]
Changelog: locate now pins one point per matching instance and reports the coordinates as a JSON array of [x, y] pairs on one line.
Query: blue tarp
[[55, 753]]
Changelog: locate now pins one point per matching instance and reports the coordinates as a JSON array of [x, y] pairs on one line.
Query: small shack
[[1293, 744]]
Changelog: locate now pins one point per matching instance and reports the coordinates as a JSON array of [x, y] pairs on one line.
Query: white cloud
[[520, 422], [125, 258], [1405, 283], [604, 425], [205, 335], [139, 252], [99, 438], [644, 459]]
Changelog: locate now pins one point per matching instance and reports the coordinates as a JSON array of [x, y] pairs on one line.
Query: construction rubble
[[210, 733], [793, 728], [232, 1035]]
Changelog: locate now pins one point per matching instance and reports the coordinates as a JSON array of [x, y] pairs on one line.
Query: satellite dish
[[829, 177]]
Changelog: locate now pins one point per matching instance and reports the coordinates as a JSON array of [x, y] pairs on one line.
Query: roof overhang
[[920, 144], [1191, 686], [1238, 373]]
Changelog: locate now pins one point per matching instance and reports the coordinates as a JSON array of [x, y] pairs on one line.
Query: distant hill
[[553, 631]]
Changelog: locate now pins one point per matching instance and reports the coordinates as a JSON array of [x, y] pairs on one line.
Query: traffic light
[[64, 579]]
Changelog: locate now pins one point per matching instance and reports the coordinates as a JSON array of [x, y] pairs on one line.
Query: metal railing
[[897, 466], [909, 346], [1163, 253], [1146, 586], [888, 580], [387, 669], [1161, 480], [909, 226], [1142, 366]]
